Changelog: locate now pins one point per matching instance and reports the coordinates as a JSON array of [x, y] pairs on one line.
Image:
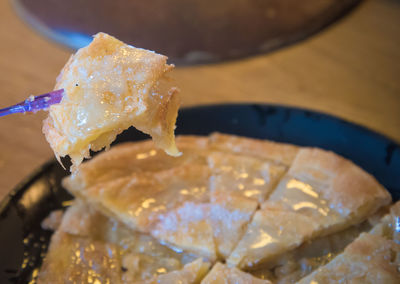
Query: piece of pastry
[[210, 229], [135, 157], [321, 193], [374, 257], [222, 274], [229, 216], [110, 86], [188, 227], [292, 266], [87, 242], [145, 199], [152, 201], [139, 200], [72, 259], [242, 175]]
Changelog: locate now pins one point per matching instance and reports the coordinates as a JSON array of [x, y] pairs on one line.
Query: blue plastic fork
[[33, 104]]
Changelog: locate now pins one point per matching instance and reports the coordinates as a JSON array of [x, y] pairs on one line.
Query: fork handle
[[33, 104], [12, 109]]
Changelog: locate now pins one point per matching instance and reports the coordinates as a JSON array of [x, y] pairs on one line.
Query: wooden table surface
[[351, 70]]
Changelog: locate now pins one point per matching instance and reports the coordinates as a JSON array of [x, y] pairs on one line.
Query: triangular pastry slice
[[280, 153], [229, 216], [136, 157], [322, 193], [222, 274], [292, 266], [208, 229], [188, 228], [374, 257], [270, 234], [140, 199], [242, 175], [110, 86]]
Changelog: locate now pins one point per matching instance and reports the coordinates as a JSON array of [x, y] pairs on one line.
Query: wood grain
[[350, 70]]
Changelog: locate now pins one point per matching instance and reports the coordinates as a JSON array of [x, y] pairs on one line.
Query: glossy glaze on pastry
[[91, 248], [110, 86], [374, 257], [321, 194], [274, 211]]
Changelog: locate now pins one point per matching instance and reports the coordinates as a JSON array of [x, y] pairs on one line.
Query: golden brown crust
[[80, 219], [323, 192], [221, 273], [373, 257], [270, 234], [80, 241], [191, 273], [278, 152], [346, 186], [169, 198], [110, 86], [367, 260], [188, 228], [140, 199], [243, 175], [101, 47], [72, 259], [134, 157], [229, 216]]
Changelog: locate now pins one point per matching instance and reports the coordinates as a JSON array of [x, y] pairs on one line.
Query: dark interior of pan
[[187, 31]]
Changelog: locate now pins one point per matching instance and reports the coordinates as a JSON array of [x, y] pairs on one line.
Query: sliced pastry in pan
[[321, 194], [373, 257], [152, 202]]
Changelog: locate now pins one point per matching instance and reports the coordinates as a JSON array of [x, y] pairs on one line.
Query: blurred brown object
[[188, 31]]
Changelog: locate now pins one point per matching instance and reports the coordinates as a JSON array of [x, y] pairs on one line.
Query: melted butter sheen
[[247, 176], [303, 198], [310, 198], [294, 213], [300, 262], [143, 198], [108, 253]]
